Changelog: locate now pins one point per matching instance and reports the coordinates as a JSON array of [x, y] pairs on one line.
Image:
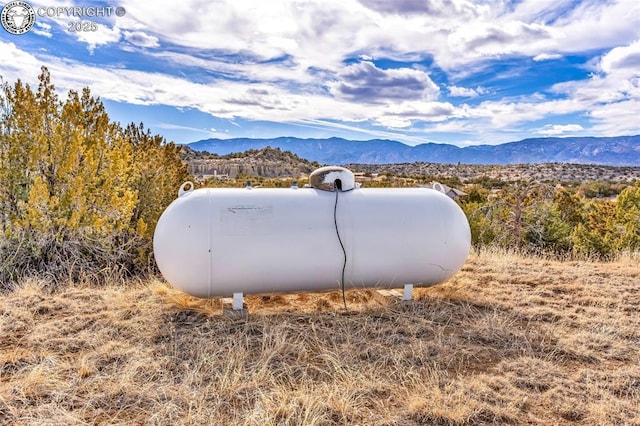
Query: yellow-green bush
[[79, 194]]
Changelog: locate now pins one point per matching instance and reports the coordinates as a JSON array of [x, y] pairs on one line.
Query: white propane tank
[[214, 242]]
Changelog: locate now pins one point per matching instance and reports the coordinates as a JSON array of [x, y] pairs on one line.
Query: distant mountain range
[[614, 151]]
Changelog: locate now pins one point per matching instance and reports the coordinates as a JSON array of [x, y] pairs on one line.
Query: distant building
[[202, 178]]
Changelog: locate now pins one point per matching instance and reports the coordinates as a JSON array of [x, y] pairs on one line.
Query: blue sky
[[416, 71]]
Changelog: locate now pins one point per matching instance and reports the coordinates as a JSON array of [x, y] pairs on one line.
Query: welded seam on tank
[[209, 219]]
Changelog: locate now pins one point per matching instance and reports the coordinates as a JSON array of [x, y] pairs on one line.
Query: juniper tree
[[79, 194]]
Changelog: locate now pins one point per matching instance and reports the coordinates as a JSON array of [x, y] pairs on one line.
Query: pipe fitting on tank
[[332, 178]]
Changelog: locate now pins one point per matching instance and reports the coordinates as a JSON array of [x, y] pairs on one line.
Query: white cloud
[[322, 33], [488, 40], [456, 126], [559, 129], [211, 132], [622, 58], [329, 125], [17, 64], [546, 57], [466, 92], [615, 119], [506, 115], [393, 122], [424, 111], [42, 29], [173, 126], [103, 35], [226, 99], [141, 39], [540, 10], [233, 69], [366, 83], [436, 9], [598, 25], [314, 32], [610, 97]]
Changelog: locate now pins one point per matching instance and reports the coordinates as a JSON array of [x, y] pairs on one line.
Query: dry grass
[[508, 340]]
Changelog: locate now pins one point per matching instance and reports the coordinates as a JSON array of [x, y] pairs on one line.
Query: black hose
[[344, 252]]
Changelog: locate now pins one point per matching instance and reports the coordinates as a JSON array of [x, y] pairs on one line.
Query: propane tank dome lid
[[332, 178]]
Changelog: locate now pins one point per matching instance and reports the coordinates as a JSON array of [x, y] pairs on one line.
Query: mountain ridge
[[614, 151]]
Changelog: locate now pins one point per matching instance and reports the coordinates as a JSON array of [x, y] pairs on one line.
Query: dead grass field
[[508, 340]]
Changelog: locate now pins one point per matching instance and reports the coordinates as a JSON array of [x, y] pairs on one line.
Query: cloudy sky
[[452, 71]]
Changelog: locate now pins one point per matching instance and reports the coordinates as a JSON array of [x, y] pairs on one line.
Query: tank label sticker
[[247, 219]]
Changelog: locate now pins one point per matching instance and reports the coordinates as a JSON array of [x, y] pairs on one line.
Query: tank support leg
[[408, 292], [238, 301]]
